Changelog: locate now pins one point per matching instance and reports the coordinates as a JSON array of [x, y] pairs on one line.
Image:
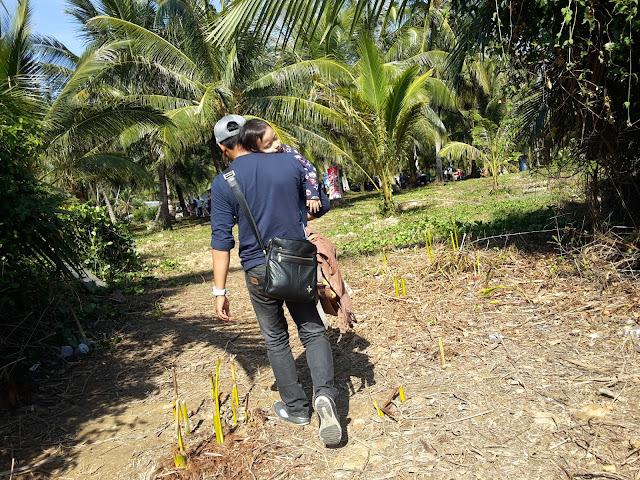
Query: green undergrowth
[[524, 203]]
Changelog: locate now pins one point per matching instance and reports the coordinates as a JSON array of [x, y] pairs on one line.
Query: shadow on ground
[[76, 403]]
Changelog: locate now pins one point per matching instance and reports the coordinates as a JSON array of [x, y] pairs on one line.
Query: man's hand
[[222, 308]]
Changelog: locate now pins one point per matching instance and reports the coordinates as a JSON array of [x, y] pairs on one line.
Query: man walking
[[274, 187]]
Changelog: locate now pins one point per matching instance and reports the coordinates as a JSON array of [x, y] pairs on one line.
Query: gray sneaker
[[281, 411], [330, 429]]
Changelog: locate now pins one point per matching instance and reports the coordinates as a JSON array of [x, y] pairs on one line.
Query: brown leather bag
[[328, 298]]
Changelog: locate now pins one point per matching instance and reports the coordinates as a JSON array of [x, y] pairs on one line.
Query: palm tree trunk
[[180, 194], [112, 215], [79, 190], [494, 167], [164, 218], [387, 190], [345, 183], [439, 173], [216, 156]]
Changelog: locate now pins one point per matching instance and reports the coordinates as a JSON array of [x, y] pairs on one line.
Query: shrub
[[105, 249], [34, 241], [145, 214]]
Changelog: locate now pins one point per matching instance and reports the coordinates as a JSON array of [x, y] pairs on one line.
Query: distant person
[[274, 186], [448, 173], [199, 207]]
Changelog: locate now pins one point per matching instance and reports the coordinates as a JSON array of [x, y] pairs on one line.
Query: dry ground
[[538, 383]]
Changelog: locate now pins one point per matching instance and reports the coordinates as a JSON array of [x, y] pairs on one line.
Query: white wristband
[[218, 293]]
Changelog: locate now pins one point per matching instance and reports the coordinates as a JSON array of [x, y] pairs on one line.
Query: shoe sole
[[330, 430]]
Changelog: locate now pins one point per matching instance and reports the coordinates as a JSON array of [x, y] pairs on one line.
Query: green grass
[[162, 248], [523, 203]]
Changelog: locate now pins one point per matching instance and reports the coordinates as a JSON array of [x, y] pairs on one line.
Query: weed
[[158, 312], [169, 265], [485, 292]]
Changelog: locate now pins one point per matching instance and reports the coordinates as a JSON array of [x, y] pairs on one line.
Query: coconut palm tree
[[427, 38], [487, 117], [491, 144], [370, 112], [142, 59]]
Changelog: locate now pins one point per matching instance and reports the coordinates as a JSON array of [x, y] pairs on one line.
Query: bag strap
[[230, 177]]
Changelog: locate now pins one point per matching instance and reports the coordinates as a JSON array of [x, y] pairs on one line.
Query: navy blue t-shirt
[[274, 186]]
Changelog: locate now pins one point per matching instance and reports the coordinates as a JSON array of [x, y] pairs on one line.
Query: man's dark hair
[[252, 131]]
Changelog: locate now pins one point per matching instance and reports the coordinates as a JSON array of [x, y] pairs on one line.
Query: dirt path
[[538, 384]]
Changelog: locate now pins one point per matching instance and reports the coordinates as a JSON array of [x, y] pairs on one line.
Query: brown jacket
[[337, 288]]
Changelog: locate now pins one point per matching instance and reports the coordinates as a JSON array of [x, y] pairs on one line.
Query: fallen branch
[[472, 416], [27, 468], [559, 443], [400, 299], [512, 235], [390, 399], [388, 413], [584, 365], [613, 476]]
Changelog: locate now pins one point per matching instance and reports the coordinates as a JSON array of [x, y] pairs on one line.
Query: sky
[[49, 20]]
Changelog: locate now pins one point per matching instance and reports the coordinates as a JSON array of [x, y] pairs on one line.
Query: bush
[[105, 249], [145, 214], [34, 240]]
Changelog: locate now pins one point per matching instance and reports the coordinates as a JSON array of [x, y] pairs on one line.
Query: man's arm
[[221, 259]]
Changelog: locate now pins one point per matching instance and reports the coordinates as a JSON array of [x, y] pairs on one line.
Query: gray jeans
[[275, 332]]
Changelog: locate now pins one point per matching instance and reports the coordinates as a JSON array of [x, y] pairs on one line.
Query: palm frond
[[91, 63], [186, 129], [18, 58], [435, 59], [480, 74], [96, 125], [213, 100], [259, 17], [372, 81], [461, 151], [398, 98], [190, 16], [441, 95], [148, 44], [295, 110], [328, 69], [231, 66], [328, 148], [157, 102], [531, 112], [112, 166]]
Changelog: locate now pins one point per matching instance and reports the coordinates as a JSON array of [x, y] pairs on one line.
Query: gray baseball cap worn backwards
[[228, 127]]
